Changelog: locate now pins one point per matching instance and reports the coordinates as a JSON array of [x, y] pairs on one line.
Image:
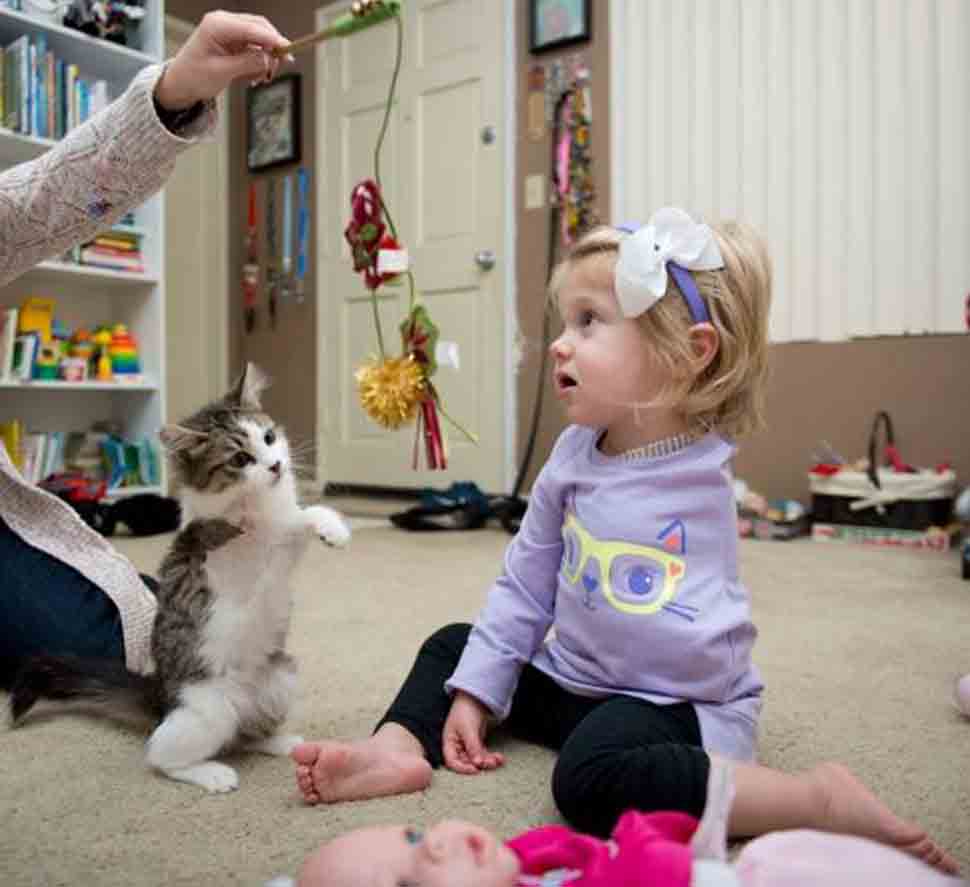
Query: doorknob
[[485, 259]]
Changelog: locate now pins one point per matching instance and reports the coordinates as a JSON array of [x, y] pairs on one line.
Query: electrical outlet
[[535, 191]]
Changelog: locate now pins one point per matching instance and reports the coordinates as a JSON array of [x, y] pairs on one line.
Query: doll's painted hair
[[728, 394]]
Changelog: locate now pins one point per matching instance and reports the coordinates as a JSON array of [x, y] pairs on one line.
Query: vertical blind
[[839, 128]]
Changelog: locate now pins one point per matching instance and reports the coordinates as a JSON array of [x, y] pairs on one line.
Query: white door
[[196, 284], [442, 170]]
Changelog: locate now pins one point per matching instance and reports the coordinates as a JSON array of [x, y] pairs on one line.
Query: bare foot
[[327, 772], [850, 808]]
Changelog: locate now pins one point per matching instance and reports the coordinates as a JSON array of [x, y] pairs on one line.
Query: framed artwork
[[556, 23], [273, 123]]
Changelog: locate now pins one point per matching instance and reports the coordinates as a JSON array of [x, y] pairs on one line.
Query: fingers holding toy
[[224, 47]]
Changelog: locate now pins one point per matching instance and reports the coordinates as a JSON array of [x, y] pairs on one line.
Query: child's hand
[[463, 738], [224, 47]]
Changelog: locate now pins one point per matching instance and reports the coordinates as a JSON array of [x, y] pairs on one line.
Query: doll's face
[[450, 853]]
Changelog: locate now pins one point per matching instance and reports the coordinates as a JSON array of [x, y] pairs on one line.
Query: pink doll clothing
[[806, 858], [646, 850]]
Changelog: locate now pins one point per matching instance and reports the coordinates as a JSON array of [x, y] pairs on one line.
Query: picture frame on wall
[[273, 123], [557, 23]]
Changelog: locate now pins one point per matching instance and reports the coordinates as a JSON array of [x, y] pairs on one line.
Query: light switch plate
[[535, 191]]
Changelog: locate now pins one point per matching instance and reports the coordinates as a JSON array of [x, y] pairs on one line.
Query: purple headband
[[685, 283]]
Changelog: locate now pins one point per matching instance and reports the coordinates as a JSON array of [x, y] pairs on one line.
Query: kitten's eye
[[269, 438], [241, 460]]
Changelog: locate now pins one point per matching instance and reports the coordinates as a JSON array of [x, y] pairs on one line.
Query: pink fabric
[[646, 850], [805, 858]]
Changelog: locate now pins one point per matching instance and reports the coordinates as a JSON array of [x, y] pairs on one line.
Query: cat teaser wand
[[393, 391], [363, 14]]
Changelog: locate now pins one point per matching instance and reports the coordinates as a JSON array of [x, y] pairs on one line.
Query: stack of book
[[118, 248]]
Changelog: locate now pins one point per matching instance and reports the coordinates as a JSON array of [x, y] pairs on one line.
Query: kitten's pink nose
[[276, 469]]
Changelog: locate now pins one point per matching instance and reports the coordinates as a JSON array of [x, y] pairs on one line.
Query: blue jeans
[[49, 607]]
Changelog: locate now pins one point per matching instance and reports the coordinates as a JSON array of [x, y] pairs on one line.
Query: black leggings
[[615, 754]]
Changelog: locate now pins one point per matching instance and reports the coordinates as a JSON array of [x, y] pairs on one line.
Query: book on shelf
[[8, 339], [25, 351], [10, 434], [43, 95], [94, 455]]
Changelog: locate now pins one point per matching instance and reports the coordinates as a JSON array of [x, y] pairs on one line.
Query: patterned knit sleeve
[[92, 177]]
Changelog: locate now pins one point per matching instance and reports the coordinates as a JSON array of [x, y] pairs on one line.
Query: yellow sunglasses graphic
[[637, 579]]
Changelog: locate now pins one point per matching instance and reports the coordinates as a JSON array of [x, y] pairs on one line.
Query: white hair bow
[[670, 235]]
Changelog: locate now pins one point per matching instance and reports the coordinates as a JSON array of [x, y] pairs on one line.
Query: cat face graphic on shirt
[[638, 580]]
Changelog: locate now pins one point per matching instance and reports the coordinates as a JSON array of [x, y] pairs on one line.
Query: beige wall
[[818, 391], [533, 158], [832, 392]]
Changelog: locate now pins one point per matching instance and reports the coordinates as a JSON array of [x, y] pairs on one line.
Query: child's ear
[[704, 343]]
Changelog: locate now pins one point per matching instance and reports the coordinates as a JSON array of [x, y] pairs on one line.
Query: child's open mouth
[[564, 381]]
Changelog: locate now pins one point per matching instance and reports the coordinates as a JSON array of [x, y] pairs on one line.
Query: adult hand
[[463, 737], [224, 47]]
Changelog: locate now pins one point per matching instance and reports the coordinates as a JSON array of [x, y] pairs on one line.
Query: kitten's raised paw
[[328, 525]]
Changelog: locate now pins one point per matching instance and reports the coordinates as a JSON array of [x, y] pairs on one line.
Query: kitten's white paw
[[211, 775], [328, 525], [279, 745]]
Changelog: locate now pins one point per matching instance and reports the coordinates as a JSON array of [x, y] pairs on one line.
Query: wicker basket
[[883, 496]]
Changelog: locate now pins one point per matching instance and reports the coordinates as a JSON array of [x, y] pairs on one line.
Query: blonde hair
[[728, 394]]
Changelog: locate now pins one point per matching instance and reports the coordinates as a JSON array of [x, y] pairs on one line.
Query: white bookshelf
[[88, 296]]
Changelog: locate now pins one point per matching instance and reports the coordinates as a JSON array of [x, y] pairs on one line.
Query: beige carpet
[[859, 649]]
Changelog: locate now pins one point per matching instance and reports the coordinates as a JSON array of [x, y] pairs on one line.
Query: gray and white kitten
[[222, 678]]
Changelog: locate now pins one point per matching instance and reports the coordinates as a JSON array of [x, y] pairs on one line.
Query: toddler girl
[[628, 553]]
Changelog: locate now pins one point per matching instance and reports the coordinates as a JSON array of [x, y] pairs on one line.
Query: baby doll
[[644, 850]]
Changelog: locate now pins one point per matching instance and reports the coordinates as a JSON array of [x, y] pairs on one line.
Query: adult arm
[[124, 154]]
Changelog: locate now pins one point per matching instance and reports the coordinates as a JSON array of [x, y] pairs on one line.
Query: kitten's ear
[[249, 388], [176, 438]]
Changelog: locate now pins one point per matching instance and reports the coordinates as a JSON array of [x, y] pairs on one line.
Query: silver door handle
[[485, 259]]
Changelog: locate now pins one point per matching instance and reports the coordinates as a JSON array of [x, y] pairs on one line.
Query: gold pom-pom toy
[[391, 390]]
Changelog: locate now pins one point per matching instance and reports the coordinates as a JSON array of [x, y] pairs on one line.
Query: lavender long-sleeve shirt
[[633, 564]]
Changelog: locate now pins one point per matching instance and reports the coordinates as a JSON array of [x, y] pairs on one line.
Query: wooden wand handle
[[363, 14]]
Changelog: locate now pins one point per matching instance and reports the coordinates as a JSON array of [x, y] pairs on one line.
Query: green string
[[388, 105]]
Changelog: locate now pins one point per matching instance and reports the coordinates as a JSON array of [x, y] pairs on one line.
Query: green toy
[[362, 14]]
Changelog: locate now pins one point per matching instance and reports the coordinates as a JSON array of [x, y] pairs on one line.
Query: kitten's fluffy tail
[[98, 686]]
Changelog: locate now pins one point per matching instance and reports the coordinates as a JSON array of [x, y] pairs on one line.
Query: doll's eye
[[241, 460], [413, 836], [270, 437]]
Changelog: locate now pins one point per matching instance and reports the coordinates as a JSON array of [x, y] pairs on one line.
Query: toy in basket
[[882, 501]]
